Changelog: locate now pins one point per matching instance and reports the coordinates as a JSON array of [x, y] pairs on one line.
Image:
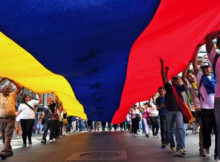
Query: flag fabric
[[100, 57], [183, 106], [174, 33]]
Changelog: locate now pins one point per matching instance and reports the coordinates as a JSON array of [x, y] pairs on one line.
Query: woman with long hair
[[27, 117]]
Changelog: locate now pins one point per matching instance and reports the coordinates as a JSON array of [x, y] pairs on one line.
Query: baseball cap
[[205, 64]]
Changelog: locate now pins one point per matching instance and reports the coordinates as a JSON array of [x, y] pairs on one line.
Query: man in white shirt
[[206, 89], [215, 62], [7, 117]]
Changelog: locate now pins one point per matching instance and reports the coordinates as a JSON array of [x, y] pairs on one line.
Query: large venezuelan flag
[[100, 56]]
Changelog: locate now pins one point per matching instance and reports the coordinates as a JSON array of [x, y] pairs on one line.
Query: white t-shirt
[[128, 117], [154, 112], [211, 56], [208, 102], [26, 112], [134, 112]]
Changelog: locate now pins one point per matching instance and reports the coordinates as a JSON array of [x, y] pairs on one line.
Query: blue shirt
[[159, 101], [36, 117]]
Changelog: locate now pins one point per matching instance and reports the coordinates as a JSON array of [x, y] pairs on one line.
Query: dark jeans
[[60, 128], [109, 126], [155, 125], [134, 125], [50, 124], [209, 126], [164, 130], [217, 117], [103, 126], [57, 129], [129, 126], [69, 126], [122, 126], [27, 128], [115, 126]]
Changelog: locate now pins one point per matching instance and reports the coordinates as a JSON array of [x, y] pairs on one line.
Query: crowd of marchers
[[196, 89], [190, 99]]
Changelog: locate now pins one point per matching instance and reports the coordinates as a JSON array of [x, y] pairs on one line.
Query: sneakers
[[173, 149], [24, 145], [206, 153], [163, 145], [155, 136], [43, 141], [181, 152], [54, 139], [147, 135], [9, 154], [3, 155], [50, 141], [29, 144]]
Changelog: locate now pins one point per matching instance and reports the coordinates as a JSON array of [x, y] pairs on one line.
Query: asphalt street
[[104, 146]]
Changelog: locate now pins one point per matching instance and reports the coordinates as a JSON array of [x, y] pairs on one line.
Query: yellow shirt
[[7, 105]]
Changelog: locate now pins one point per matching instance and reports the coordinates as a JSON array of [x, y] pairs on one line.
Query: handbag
[[43, 121], [65, 121], [137, 116]]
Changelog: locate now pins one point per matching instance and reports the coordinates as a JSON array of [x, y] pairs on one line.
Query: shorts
[[17, 124]]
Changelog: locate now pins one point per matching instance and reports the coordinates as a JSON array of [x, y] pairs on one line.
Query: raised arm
[[184, 74], [40, 98], [194, 62], [209, 38], [19, 87], [2, 79], [163, 73]]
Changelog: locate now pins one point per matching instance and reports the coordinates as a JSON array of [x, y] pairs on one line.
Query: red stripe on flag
[[173, 34]]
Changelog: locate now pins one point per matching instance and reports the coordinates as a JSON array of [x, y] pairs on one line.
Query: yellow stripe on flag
[[19, 65]]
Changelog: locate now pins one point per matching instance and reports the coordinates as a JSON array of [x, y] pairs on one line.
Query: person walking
[[7, 116], [50, 122], [215, 62], [60, 122], [173, 114], [40, 126], [65, 122], [135, 117], [18, 127], [160, 103], [144, 118], [154, 118], [27, 117], [206, 89]]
